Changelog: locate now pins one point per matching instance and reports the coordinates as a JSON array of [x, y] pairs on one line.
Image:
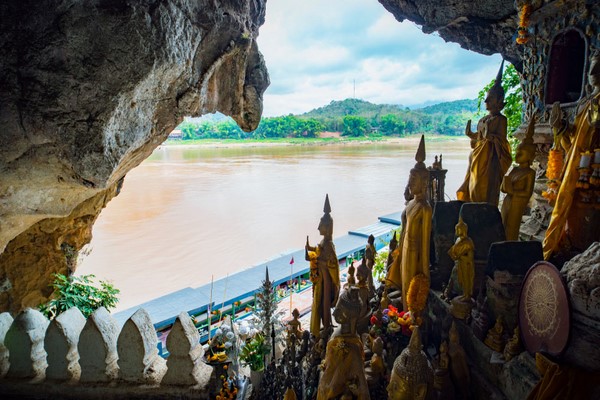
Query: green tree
[[80, 292], [354, 126], [391, 124]]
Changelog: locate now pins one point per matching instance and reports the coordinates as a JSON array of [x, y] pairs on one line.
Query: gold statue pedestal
[[460, 307]]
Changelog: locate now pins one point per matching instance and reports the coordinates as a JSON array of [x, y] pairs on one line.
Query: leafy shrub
[[80, 292]]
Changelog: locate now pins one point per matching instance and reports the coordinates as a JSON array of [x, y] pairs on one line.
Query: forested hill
[[350, 117]]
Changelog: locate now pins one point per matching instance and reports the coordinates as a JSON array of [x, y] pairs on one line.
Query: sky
[[317, 51]]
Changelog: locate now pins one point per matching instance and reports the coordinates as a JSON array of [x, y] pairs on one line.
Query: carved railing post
[[25, 343], [5, 322], [61, 341], [98, 348], [185, 365], [139, 361]]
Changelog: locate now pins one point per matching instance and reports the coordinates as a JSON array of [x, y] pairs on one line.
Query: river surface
[[189, 213]]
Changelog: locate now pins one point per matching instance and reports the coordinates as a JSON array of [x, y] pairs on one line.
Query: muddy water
[[188, 213]]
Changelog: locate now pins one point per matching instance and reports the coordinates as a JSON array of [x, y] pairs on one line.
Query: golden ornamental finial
[[420, 156]]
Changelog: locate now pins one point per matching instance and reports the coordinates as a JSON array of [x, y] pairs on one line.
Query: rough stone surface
[[98, 348], [503, 298], [484, 26], [89, 89], [513, 257], [139, 361], [185, 365], [444, 220], [61, 342], [485, 227], [582, 274], [5, 322], [25, 343]]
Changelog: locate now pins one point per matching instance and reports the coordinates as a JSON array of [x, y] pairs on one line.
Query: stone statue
[[518, 186], [463, 252], [413, 251], [351, 279], [571, 226], [490, 158], [412, 375], [325, 273], [343, 365], [392, 251], [375, 372], [494, 339], [459, 370], [362, 275], [513, 346], [442, 383], [370, 254]]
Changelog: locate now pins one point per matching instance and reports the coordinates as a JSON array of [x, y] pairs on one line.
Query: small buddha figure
[[412, 375], [494, 339], [459, 370], [391, 254], [375, 372], [351, 280], [370, 254], [295, 326], [513, 346], [325, 275], [573, 224], [463, 253], [481, 321], [413, 254], [385, 300], [490, 158], [343, 364], [362, 274], [442, 383], [518, 186]]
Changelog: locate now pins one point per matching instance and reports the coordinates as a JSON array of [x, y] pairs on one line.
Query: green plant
[[80, 292], [379, 267], [254, 351]]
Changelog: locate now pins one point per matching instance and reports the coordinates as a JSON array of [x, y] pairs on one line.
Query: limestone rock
[[98, 348], [514, 257], [25, 343], [60, 343], [5, 322], [184, 364], [89, 90], [139, 361]]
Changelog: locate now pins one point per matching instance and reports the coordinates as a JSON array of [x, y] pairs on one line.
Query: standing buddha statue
[[370, 254], [325, 273], [518, 186], [490, 158], [462, 252], [413, 249]]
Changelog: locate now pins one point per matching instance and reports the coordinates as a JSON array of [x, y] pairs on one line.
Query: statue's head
[[362, 274], [461, 228], [412, 375], [326, 224], [594, 73], [494, 101], [419, 175], [526, 149], [378, 346], [348, 306], [296, 313]]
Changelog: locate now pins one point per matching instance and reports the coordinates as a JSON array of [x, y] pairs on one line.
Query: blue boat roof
[[393, 218], [164, 310]]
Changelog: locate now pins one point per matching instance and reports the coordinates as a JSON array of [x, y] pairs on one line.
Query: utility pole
[[354, 88]]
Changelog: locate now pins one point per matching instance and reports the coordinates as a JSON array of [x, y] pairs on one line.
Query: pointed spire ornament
[[530, 131], [415, 340], [267, 274], [497, 89], [327, 206], [420, 156]]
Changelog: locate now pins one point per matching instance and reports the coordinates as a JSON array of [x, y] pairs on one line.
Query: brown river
[[191, 212]]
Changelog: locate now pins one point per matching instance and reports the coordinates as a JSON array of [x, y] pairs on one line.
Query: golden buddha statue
[[413, 250], [375, 372], [370, 254], [494, 339], [442, 384], [325, 273], [294, 325], [343, 365], [351, 279], [513, 346], [463, 253], [518, 186], [490, 158], [568, 226], [392, 252], [459, 370], [412, 375]]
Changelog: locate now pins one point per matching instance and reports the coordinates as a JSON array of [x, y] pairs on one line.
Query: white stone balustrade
[[90, 352], [5, 322], [185, 365], [139, 361], [25, 343], [60, 343]]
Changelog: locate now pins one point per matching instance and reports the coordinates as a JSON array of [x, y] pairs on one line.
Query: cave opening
[[566, 67]]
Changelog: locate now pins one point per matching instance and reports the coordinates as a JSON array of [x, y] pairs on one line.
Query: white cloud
[[320, 51]]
